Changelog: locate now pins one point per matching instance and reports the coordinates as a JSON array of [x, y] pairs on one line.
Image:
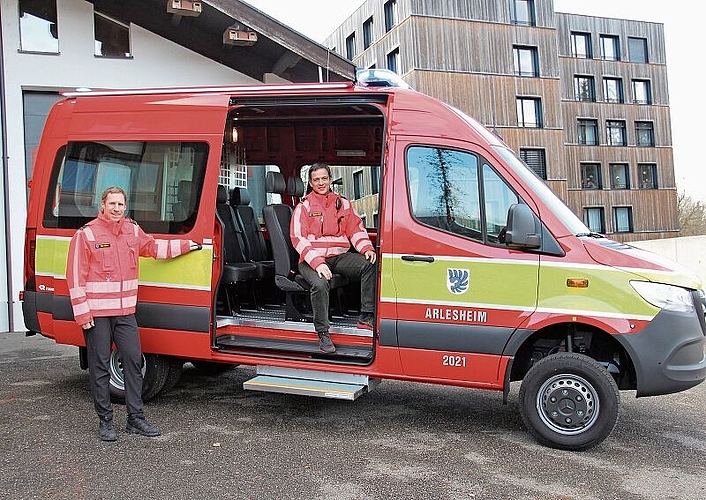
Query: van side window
[[163, 181], [498, 198], [445, 192]]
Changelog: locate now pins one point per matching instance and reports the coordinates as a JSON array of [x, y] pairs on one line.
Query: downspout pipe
[[6, 180]]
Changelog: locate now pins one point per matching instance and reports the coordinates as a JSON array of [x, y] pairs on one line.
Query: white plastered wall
[[156, 62]]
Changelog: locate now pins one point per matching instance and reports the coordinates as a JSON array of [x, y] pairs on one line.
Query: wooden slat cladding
[[596, 26], [490, 98], [478, 47], [480, 10]]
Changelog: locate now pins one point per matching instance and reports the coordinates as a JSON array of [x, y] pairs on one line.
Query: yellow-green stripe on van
[[192, 270]]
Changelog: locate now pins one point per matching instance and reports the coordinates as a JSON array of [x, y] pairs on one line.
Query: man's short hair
[[319, 166], [113, 190]]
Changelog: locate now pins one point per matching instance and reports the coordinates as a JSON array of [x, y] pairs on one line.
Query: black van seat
[[182, 208], [255, 246], [287, 277], [235, 268]]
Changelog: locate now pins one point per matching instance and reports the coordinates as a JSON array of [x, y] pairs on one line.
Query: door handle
[[418, 258]]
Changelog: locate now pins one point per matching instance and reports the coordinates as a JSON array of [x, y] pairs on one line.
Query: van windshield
[[537, 185]]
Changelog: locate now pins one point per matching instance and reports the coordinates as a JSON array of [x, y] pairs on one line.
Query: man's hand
[[371, 256], [194, 246], [323, 271], [88, 325]]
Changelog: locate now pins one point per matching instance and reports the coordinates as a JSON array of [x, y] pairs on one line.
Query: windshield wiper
[[591, 235]]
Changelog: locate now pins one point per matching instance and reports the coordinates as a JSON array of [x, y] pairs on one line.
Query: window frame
[[588, 124], [624, 171], [523, 13], [522, 115], [628, 213], [601, 214], [539, 166], [632, 41], [617, 84], [368, 33], [587, 45], [392, 60], [532, 55], [108, 19], [591, 88], [591, 176], [644, 127], [647, 86], [644, 182], [390, 12], [613, 126], [34, 45], [615, 47], [350, 46]]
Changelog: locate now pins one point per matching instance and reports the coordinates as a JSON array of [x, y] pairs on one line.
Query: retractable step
[[310, 383]]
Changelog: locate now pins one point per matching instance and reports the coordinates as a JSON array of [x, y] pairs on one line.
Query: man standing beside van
[[101, 274], [323, 228]]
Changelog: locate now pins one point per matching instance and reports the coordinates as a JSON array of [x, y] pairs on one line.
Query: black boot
[[107, 431], [141, 426]]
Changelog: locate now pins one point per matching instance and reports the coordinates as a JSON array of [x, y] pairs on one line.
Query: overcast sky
[[316, 19]]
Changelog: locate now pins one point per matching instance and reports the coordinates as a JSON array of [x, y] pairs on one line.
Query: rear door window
[[163, 181]]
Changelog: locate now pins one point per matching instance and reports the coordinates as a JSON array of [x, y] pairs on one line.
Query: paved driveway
[[400, 441]]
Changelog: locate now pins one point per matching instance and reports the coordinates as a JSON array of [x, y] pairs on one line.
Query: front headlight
[[668, 297]]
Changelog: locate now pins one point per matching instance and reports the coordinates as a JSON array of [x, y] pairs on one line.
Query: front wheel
[[155, 371], [569, 401]]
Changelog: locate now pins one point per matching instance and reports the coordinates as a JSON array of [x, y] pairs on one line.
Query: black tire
[[569, 401], [212, 368], [175, 368], [155, 370]]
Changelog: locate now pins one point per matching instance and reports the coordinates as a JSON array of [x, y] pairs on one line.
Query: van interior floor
[[265, 332]]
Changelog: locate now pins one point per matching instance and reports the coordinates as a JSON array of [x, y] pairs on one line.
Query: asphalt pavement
[[402, 440]]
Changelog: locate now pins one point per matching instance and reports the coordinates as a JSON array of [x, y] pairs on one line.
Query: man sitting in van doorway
[[101, 273], [323, 228]]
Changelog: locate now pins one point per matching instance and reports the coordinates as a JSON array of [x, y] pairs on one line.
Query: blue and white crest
[[458, 280]]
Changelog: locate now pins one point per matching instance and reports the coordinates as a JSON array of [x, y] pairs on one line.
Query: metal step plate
[[305, 387]]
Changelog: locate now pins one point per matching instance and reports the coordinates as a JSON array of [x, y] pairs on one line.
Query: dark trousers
[[353, 266], [121, 330]]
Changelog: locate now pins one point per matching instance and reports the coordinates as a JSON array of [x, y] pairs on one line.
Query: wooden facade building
[[583, 100]]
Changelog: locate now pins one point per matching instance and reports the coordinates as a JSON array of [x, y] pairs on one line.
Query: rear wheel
[[569, 401], [155, 371]]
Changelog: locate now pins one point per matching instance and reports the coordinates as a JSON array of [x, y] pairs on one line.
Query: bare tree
[[692, 215]]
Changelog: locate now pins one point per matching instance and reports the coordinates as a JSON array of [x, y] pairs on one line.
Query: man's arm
[[298, 231], [163, 249], [358, 236], [76, 275]]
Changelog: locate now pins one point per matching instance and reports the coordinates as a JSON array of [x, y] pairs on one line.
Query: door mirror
[[523, 228]]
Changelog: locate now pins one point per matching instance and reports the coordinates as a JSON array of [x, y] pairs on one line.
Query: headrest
[[274, 182], [295, 187], [184, 190], [239, 196], [221, 195]]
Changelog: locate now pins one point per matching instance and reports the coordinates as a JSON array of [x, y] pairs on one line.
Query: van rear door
[[458, 290]]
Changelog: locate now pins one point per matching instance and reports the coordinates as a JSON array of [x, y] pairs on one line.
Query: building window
[[393, 60], [368, 33], [610, 47], [641, 93], [350, 46], [615, 133], [591, 176], [594, 218], [622, 219], [535, 160], [648, 175], [375, 180], [637, 49], [39, 30], [588, 132], [390, 9], [522, 12], [526, 60], [358, 185], [613, 89], [529, 112], [619, 176], [581, 45], [645, 134], [111, 39], [584, 88]]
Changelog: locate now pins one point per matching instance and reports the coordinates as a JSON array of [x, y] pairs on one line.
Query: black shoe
[[325, 343], [140, 426], [366, 321], [107, 431]]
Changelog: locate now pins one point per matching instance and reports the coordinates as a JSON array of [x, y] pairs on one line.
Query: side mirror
[[522, 228]]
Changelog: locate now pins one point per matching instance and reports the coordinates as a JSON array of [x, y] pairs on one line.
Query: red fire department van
[[485, 277]]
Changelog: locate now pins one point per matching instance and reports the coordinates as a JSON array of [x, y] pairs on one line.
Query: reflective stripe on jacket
[[321, 229], [103, 262]]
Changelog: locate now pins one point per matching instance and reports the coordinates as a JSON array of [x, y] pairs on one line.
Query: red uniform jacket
[[102, 266], [322, 228]]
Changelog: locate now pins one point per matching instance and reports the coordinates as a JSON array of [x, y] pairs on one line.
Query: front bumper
[[669, 355]]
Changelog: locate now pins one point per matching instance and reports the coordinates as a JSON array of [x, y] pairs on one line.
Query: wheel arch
[[526, 347]]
